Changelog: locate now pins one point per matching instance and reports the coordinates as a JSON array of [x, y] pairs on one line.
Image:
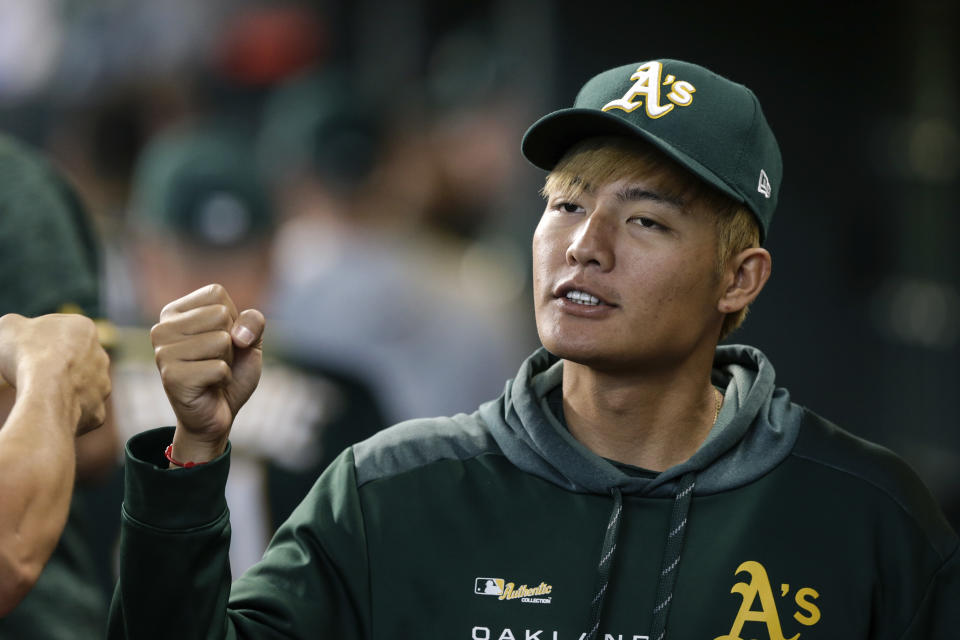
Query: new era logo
[[764, 185]]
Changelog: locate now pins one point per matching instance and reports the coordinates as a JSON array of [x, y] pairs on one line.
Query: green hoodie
[[500, 526]]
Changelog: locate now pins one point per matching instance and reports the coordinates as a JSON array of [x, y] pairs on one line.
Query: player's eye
[[568, 207], [647, 223]]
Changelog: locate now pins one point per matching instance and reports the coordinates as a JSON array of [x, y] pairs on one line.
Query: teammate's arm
[[61, 378]]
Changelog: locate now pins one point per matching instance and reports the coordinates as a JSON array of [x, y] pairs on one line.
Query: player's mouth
[[582, 297], [581, 301]]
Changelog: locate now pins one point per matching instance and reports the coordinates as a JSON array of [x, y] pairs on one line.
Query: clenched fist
[[209, 357], [58, 357]]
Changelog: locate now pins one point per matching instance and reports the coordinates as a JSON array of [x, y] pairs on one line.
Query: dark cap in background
[[49, 258], [201, 185], [321, 125]]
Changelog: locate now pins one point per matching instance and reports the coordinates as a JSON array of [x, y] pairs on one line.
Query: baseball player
[[53, 383], [634, 480]]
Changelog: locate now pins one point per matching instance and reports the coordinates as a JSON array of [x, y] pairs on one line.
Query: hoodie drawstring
[[606, 560], [671, 558], [671, 555]]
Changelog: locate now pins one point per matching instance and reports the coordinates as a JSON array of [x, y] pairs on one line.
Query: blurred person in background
[[50, 258], [199, 215], [98, 144], [471, 124], [163, 64], [397, 304]]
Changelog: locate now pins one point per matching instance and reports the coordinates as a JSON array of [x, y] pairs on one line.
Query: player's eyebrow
[[638, 194], [569, 187]]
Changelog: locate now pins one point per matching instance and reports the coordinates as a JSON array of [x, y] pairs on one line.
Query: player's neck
[[653, 420]]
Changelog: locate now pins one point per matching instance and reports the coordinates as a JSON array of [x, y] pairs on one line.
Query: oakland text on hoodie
[[500, 526]]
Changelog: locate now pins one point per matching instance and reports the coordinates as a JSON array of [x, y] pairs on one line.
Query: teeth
[[583, 298]]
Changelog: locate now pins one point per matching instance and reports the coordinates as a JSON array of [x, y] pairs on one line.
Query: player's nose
[[592, 243]]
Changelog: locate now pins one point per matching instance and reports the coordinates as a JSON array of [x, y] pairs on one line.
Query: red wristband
[[186, 465]]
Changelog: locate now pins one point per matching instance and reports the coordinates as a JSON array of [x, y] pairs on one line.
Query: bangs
[[599, 161]]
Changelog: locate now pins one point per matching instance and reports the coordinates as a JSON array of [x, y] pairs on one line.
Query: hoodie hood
[[755, 430]]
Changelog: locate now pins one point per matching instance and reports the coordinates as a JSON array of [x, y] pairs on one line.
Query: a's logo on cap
[[647, 83], [764, 185]]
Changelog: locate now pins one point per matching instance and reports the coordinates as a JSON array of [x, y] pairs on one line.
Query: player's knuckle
[[167, 310], [222, 341], [221, 315], [10, 321], [222, 370], [89, 329], [161, 352], [156, 333], [164, 369], [77, 325], [216, 290]]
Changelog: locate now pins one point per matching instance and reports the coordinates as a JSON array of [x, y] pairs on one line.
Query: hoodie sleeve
[[938, 617], [174, 568]]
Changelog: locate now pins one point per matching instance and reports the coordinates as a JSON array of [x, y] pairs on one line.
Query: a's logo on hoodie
[[758, 588], [539, 594]]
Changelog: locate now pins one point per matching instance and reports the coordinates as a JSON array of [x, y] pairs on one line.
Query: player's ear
[[744, 278]]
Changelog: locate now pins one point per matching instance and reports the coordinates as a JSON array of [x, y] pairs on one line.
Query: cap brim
[[550, 137]]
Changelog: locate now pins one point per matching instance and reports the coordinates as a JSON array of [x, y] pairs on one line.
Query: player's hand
[[57, 355], [209, 357]]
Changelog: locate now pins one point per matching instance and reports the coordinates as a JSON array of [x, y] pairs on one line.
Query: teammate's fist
[[209, 357], [57, 355]]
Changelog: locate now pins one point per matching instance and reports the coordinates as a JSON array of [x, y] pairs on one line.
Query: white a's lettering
[[647, 85], [681, 93]]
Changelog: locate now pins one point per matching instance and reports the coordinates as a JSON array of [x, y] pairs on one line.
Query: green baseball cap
[[321, 124], [201, 185], [711, 126], [49, 257]]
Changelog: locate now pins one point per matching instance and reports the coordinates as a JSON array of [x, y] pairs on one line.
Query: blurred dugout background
[[862, 317]]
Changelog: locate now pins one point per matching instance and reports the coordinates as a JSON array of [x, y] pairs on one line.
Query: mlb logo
[[488, 586]]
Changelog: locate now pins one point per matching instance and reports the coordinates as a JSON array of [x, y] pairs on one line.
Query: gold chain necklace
[[716, 413]]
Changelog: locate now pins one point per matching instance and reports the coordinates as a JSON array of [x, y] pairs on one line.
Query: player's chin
[[581, 350]]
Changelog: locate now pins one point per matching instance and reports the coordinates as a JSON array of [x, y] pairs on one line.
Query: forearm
[[175, 572], [37, 468], [175, 537]]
